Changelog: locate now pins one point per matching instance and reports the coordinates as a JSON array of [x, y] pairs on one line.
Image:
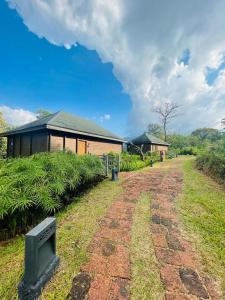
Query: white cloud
[[17, 116], [105, 117], [144, 40]]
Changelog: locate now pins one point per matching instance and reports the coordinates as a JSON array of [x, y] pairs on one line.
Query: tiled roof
[[65, 122], [147, 138]]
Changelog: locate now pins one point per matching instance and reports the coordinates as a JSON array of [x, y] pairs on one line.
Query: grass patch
[[202, 208], [76, 226], [145, 282]]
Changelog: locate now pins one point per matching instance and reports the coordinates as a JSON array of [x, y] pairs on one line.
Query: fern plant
[[36, 186]]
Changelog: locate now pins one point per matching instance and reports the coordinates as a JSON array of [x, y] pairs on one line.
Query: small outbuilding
[[150, 143], [61, 131]]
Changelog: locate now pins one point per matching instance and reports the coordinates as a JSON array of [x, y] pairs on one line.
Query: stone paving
[[107, 274]]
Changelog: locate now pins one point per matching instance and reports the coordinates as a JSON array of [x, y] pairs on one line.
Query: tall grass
[[39, 185]]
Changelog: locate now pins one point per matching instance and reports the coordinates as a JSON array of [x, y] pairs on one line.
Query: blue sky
[[36, 74], [172, 51]]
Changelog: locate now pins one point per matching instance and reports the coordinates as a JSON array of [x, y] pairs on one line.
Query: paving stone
[[159, 240], [114, 224], [100, 288], [108, 249], [166, 222], [155, 206], [156, 219], [173, 242], [193, 283], [171, 279], [158, 228], [80, 286], [167, 256], [187, 259], [119, 289], [212, 288]]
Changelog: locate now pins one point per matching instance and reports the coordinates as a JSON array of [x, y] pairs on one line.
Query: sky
[[36, 74], [114, 61]]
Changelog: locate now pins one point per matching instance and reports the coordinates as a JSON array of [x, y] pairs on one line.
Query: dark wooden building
[[150, 143], [61, 132]]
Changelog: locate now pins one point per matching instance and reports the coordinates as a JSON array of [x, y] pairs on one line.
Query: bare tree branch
[[140, 150], [166, 111]]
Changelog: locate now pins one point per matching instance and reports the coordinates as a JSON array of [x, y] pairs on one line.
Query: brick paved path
[[107, 274], [179, 267]]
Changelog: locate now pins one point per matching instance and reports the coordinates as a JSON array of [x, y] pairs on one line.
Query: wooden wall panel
[[25, 145], [81, 147], [161, 148], [99, 148], [70, 144], [16, 146], [10, 146], [39, 143], [56, 143]]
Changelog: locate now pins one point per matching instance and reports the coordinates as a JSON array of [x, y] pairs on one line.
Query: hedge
[[212, 164], [34, 187]]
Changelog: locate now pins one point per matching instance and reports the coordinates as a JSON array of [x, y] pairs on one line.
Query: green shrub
[[213, 164], [132, 162], [188, 151], [39, 185]]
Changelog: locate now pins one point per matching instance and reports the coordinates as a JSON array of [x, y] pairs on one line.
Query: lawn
[[202, 211], [76, 226]]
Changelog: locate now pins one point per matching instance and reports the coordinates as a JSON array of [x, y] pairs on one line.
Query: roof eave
[[12, 132], [18, 131], [146, 143]]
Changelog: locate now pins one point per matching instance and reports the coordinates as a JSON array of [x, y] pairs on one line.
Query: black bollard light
[[151, 163]]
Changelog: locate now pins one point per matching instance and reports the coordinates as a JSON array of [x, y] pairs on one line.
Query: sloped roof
[[66, 122], [147, 138]]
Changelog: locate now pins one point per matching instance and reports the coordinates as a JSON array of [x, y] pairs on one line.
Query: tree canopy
[[41, 113], [155, 129]]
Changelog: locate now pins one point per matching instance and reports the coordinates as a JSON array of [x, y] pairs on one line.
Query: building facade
[[61, 132], [149, 143]]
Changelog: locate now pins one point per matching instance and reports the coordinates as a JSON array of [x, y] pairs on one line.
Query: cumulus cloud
[[17, 116], [105, 117], [145, 41]]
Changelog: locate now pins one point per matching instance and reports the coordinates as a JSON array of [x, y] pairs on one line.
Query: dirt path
[[107, 275]]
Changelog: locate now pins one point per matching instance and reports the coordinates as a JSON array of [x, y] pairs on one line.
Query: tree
[[3, 127], [210, 134], [177, 141], [155, 129], [41, 113], [223, 123], [166, 111]]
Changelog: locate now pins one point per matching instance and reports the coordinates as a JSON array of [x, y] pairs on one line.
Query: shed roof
[[147, 138], [66, 122]]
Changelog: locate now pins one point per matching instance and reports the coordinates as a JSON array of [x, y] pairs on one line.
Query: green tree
[[177, 141], [223, 123], [210, 134], [155, 129], [3, 142], [41, 113]]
